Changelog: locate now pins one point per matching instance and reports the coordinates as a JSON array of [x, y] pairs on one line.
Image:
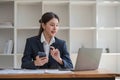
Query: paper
[[37, 71], [56, 71], [22, 71]]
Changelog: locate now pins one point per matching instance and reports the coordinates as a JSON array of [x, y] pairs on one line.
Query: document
[[37, 71], [21, 71], [56, 71]]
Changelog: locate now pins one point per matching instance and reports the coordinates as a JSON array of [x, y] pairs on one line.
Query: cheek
[[48, 30], [51, 28], [57, 28]]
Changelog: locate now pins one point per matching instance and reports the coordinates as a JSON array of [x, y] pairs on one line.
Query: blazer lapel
[[55, 44], [40, 45]]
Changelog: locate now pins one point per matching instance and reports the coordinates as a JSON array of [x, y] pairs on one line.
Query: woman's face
[[51, 27]]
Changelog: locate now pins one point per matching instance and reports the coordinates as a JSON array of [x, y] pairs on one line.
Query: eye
[[51, 24]]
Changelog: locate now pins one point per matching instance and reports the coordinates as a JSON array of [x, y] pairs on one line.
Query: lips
[[53, 32]]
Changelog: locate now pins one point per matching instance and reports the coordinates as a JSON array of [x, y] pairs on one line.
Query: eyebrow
[[53, 23]]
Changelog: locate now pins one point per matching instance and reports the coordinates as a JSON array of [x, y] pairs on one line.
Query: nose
[[55, 27]]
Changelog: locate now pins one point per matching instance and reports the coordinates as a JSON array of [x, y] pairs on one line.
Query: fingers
[[52, 48], [54, 53], [40, 58], [57, 50], [41, 61]]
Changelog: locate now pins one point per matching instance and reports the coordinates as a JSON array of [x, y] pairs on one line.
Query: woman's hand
[[40, 61], [55, 53]]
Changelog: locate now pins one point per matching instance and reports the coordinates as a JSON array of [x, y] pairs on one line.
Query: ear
[[43, 25]]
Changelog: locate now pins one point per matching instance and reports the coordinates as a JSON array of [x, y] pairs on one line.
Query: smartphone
[[41, 54]]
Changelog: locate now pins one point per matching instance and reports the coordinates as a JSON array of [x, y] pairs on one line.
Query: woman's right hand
[[40, 61]]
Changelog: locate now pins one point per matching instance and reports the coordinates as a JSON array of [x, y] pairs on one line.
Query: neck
[[47, 37]]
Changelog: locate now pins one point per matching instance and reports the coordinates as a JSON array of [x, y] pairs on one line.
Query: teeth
[[53, 32]]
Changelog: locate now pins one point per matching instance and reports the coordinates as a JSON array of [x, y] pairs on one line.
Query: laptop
[[88, 59]]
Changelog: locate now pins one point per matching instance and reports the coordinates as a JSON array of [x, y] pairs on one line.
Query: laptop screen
[[88, 58]]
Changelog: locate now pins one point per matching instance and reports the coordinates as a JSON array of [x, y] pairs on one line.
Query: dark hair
[[46, 17]]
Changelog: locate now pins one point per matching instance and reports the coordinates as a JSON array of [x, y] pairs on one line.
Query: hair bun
[[40, 21]]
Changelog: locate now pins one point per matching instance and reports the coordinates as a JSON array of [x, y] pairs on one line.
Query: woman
[[57, 56]]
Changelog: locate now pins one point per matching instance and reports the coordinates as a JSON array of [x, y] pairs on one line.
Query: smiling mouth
[[53, 32]]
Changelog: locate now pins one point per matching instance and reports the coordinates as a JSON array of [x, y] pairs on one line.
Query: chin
[[52, 35]]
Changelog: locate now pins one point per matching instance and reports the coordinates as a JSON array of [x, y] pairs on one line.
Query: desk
[[118, 75], [76, 75]]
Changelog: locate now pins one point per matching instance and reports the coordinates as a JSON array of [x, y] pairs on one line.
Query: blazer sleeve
[[27, 60], [67, 63]]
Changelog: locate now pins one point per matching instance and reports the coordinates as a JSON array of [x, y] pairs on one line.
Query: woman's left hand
[[55, 53]]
